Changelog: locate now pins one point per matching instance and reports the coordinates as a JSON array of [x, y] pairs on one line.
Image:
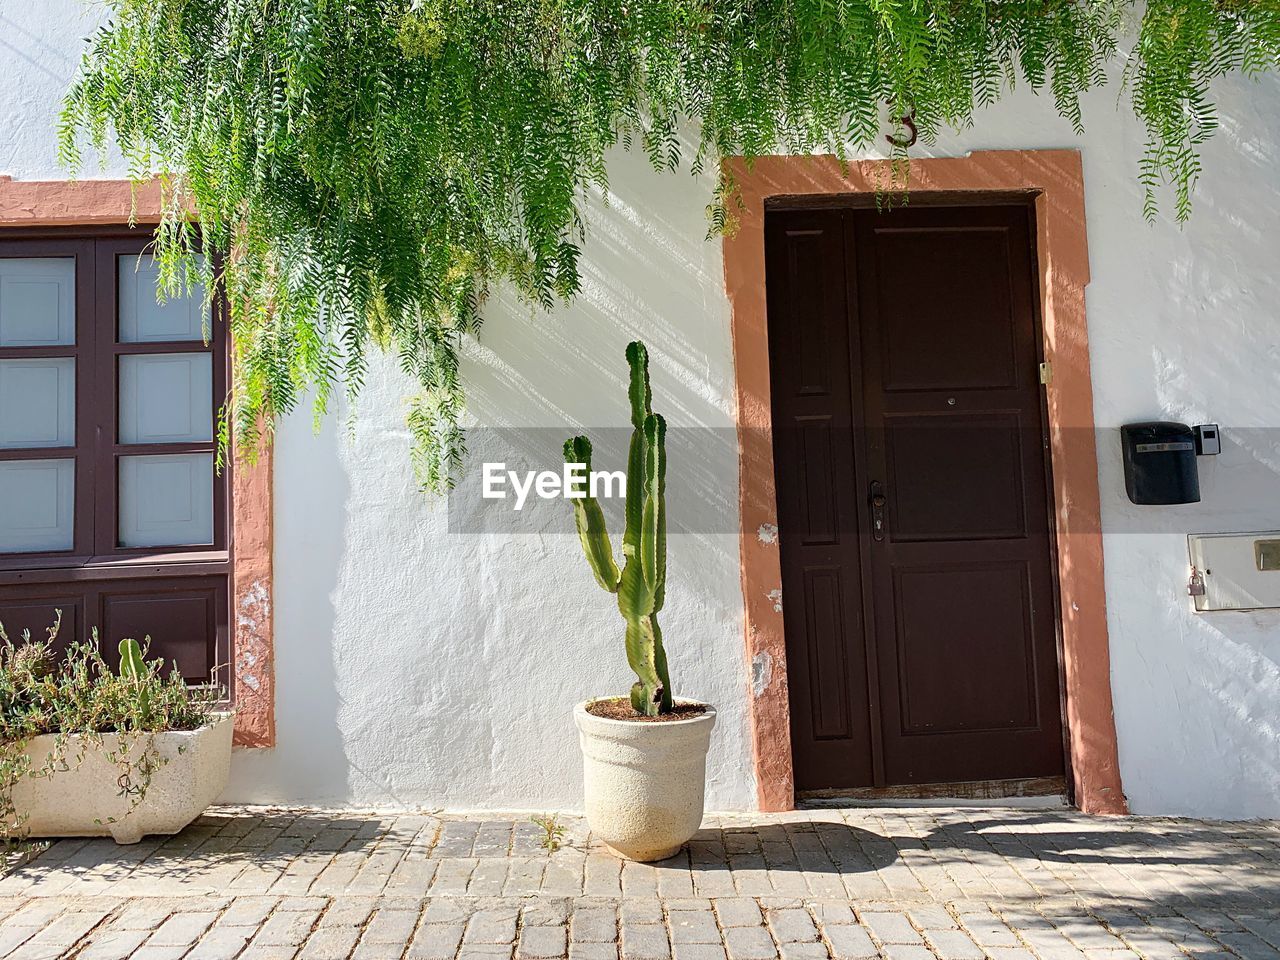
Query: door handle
[[878, 502]]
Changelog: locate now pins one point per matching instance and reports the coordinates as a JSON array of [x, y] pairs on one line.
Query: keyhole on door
[[877, 510], [951, 401]]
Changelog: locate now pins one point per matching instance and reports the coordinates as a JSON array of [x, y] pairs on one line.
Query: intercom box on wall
[[1208, 440], [1160, 462]]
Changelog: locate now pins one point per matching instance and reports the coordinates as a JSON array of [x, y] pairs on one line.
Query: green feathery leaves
[[372, 166]]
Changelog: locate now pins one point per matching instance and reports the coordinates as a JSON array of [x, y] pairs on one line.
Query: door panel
[[978, 454], [940, 334], [946, 633], [974, 681], [814, 436]]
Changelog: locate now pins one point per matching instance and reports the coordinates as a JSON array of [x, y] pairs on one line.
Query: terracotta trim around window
[[1055, 178], [96, 203]]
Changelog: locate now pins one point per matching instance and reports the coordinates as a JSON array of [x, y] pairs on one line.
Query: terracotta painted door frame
[[106, 203], [1054, 179]]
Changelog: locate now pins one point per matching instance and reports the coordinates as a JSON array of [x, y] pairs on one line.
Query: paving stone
[[485, 951], [681, 904], [694, 926], [347, 912], [35, 913], [641, 910], [906, 951], [390, 926], [546, 911], [436, 941], [891, 927], [269, 951], [181, 929], [792, 926], [594, 924], [113, 945], [455, 910], [541, 942], [593, 950], [330, 943], [698, 951], [738, 912], [988, 930], [931, 917], [67, 929], [644, 941], [603, 875], [833, 912], [955, 945], [492, 926], [221, 943], [152, 952], [1247, 945], [249, 911], [285, 930], [803, 951], [749, 943], [849, 942]]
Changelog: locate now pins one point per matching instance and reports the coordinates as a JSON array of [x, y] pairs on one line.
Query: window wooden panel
[[166, 500], [37, 505], [37, 301], [25, 341], [118, 270], [165, 398], [143, 319], [37, 402]]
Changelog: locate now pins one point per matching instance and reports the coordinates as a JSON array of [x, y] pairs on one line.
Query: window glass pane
[[38, 402], [166, 398], [37, 503], [166, 500], [142, 318], [37, 301]]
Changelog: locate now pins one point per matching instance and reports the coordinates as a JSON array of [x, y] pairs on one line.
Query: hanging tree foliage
[[373, 165]]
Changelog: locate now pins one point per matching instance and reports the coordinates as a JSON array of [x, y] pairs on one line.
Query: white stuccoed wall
[[421, 668]]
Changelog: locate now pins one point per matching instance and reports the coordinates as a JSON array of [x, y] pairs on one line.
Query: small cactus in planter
[[641, 583], [134, 669], [643, 781]]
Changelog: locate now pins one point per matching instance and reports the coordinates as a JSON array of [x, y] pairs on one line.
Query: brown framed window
[[110, 505]]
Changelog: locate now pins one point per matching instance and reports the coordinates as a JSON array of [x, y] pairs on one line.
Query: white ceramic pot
[[644, 781], [85, 800]]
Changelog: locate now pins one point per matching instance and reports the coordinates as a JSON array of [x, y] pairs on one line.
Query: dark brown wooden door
[[917, 561]]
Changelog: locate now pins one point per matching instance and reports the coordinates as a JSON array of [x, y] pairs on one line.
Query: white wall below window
[[422, 667]]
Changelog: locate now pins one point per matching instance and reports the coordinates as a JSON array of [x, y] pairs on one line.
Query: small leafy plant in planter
[[86, 750], [644, 756]]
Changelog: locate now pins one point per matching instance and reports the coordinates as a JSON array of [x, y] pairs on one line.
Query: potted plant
[[644, 756], [88, 751]]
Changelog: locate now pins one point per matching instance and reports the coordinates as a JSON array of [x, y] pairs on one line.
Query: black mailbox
[[1160, 462]]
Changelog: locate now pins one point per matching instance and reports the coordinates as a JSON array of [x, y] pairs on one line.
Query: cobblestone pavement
[[902, 884]]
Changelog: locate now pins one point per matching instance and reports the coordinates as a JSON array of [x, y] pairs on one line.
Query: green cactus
[[134, 668], [641, 583]]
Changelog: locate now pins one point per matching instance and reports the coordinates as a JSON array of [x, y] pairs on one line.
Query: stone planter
[[644, 780], [85, 800]]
